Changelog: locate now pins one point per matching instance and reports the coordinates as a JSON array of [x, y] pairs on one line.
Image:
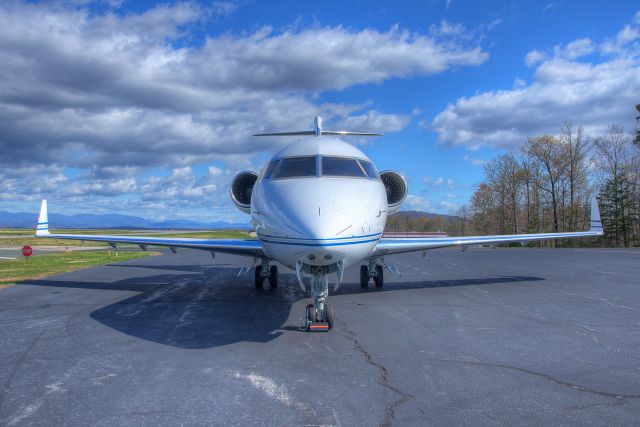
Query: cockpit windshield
[[295, 167], [307, 166], [369, 169], [341, 166]]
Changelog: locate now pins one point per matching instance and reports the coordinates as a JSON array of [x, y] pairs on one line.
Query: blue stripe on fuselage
[[328, 238], [320, 244]]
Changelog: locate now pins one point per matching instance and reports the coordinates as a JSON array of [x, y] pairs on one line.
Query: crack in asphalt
[[545, 376], [390, 413], [16, 366]]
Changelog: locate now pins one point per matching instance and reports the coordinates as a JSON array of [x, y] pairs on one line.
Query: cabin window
[[341, 166], [369, 169], [296, 167]]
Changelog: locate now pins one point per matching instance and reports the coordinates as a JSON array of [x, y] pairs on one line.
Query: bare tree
[[549, 186], [506, 178], [458, 219], [483, 210], [613, 151], [549, 154], [577, 152]]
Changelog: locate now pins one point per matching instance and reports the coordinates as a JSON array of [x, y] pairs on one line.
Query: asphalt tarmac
[[482, 337]]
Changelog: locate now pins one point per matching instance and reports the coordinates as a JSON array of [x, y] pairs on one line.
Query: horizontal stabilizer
[[324, 132], [317, 131], [300, 133]]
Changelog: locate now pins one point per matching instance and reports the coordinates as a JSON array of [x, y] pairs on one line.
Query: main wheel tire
[[273, 277], [364, 276], [328, 315], [379, 279], [258, 277]]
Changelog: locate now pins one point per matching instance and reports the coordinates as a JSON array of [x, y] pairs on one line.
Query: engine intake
[[396, 188], [241, 188]]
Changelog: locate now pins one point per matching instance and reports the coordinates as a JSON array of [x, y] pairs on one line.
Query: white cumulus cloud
[[591, 94], [114, 95]]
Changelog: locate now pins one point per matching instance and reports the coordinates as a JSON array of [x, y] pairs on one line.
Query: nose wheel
[[316, 321]]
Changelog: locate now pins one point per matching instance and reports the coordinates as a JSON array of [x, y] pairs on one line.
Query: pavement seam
[[403, 397], [553, 379]]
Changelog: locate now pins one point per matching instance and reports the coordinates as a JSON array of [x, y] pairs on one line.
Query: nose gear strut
[[319, 315]]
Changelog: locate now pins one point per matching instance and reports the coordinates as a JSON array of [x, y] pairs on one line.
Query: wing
[[231, 246], [396, 246]]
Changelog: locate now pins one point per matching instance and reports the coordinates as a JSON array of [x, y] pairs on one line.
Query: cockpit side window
[[369, 169], [341, 166], [269, 168], [295, 167]]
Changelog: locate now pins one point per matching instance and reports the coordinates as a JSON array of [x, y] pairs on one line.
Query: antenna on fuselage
[[317, 131]]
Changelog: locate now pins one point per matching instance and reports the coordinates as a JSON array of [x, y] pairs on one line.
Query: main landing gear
[[265, 274], [319, 315], [372, 271]]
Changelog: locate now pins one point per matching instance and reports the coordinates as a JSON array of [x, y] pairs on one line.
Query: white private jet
[[319, 206]]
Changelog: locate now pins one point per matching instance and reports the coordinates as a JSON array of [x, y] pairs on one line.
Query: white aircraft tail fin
[[596, 222], [42, 229], [317, 131]]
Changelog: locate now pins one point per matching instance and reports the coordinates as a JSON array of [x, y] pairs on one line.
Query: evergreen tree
[[619, 210]]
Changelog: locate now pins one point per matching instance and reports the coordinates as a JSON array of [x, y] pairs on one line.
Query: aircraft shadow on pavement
[[209, 306]]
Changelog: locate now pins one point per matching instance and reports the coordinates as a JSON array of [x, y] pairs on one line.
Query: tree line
[[547, 187]]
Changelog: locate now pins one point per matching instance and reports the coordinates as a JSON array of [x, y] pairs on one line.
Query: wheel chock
[[318, 327], [315, 327]]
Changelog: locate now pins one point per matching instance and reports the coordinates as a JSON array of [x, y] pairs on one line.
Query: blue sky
[[147, 108]]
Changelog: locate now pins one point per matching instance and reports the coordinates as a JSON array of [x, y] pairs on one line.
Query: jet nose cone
[[321, 222]]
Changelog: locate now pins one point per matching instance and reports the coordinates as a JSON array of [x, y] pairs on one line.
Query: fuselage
[[319, 201]]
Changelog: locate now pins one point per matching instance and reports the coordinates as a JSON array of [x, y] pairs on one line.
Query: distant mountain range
[[82, 221]]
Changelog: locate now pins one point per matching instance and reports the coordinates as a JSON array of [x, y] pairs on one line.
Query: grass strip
[[27, 238], [41, 266], [33, 241]]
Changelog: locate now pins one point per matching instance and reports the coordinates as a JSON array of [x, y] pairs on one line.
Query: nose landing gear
[[319, 315], [372, 271]]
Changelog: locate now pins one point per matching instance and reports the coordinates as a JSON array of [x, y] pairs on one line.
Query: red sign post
[[27, 251]]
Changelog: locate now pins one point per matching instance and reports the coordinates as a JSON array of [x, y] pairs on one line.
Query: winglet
[[42, 229], [596, 223]]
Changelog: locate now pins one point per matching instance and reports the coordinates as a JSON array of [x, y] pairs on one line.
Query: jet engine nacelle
[[396, 188], [241, 188]]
